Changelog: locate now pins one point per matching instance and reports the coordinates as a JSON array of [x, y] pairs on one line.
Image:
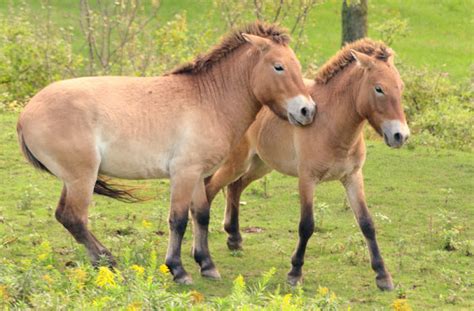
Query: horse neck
[[226, 86], [341, 94]]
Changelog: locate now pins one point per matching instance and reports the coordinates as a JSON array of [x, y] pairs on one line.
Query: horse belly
[[134, 160]]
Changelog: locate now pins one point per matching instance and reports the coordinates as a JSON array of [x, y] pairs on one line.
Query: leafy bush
[[32, 54], [440, 113]]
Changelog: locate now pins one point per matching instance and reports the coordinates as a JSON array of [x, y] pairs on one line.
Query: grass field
[[421, 198], [439, 34], [412, 194]]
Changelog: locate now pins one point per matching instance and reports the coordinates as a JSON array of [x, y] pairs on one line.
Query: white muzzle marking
[[395, 133], [301, 110]]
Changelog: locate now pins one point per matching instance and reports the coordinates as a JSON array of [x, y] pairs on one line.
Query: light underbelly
[[135, 161]]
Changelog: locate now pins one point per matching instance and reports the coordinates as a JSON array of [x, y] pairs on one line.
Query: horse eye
[[378, 89], [278, 68]]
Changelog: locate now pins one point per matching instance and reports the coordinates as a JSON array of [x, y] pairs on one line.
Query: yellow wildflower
[[79, 276], [286, 303], [146, 224], [49, 267], [332, 297], [139, 270], [4, 295], [135, 306], [196, 297], [323, 290], [105, 278], [42, 257], [164, 269], [48, 279], [401, 305]]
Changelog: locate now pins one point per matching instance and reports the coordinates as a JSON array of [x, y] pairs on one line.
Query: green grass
[[439, 31], [407, 192]]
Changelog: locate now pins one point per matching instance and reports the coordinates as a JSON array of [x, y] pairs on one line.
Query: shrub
[[440, 112], [32, 54]]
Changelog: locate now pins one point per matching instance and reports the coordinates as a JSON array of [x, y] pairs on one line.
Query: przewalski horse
[[179, 126], [359, 83]]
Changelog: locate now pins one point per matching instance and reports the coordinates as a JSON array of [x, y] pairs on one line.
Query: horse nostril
[[397, 137], [304, 111]]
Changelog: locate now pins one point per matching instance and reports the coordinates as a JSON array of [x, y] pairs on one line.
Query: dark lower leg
[[231, 221], [306, 229], [200, 247], [177, 227], [376, 260], [354, 185]]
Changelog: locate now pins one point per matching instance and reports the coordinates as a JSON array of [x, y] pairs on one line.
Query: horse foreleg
[[354, 185], [257, 170], [200, 211], [305, 229], [183, 184]]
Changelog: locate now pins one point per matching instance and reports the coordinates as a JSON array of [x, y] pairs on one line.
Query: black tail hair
[[101, 187]]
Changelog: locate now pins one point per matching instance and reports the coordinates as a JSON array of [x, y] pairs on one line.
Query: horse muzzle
[[301, 110], [395, 133]]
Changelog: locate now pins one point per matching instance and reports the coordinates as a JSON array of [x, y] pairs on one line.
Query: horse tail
[[101, 187], [27, 153]]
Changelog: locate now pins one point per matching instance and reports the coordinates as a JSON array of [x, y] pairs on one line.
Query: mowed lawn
[[439, 32], [412, 194]]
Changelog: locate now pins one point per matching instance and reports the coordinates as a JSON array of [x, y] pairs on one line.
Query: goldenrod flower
[[196, 297], [323, 290], [139, 270], [146, 224], [4, 295], [79, 276], [286, 301], [135, 306], [105, 278], [164, 269], [48, 279], [42, 257], [401, 305]]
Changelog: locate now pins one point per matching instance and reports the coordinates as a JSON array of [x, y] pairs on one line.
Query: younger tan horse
[[359, 83], [179, 126]]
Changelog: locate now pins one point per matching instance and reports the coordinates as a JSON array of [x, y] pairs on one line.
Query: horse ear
[[261, 43], [362, 59]]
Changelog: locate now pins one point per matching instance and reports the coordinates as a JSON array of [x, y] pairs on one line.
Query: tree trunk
[[354, 20]]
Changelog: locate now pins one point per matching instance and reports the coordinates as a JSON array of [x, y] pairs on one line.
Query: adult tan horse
[[359, 83], [179, 126]]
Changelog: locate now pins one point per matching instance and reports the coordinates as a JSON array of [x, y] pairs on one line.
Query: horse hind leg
[[257, 170], [72, 213]]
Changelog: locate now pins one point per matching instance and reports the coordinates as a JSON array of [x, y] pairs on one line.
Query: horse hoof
[[184, 279], [384, 282], [211, 273], [294, 280], [234, 245]]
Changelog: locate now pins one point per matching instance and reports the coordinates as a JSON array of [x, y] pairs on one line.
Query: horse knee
[[202, 215], [178, 223]]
